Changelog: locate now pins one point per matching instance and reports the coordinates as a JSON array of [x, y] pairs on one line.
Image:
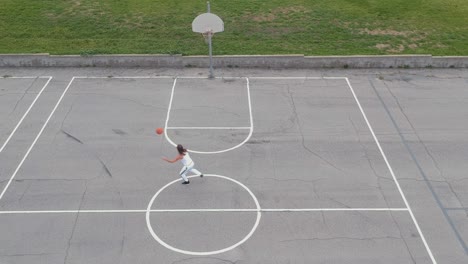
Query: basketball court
[[355, 166]]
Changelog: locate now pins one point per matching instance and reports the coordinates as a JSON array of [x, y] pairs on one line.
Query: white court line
[[35, 140], [201, 77], [27, 111], [25, 77], [219, 151], [207, 210], [207, 127], [153, 77], [169, 110], [393, 174], [299, 78], [124, 77], [204, 77]]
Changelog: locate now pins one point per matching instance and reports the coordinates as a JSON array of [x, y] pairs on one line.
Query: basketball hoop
[[207, 24], [206, 35]]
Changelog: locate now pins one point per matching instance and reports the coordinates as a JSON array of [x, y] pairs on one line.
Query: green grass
[[310, 27]]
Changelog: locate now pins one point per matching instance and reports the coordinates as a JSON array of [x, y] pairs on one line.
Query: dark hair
[[181, 149]]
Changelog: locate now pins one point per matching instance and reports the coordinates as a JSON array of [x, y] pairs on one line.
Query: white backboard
[[207, 22]]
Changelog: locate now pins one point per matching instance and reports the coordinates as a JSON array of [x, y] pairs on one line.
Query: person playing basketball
[[188, 163]]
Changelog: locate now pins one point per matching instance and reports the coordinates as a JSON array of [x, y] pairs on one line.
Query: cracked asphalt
[[77, 189]]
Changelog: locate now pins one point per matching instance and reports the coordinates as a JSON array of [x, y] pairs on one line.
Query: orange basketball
[[159, 130]]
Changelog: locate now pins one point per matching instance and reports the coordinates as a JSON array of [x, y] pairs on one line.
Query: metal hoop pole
[[211, 76], [211, 55]]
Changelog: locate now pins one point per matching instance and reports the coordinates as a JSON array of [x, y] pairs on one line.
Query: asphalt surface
[[343, 166]]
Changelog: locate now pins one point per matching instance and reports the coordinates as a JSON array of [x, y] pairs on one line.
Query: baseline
[[123, 77]]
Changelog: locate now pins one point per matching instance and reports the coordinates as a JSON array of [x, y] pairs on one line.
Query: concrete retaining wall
[[241, 61], [46, 60]]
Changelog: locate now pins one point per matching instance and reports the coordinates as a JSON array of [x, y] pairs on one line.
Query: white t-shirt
[[186, 160]]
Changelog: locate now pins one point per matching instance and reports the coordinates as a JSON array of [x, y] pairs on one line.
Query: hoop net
[[206, 35]]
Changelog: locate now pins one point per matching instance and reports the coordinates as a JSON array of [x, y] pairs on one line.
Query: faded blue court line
[[421, 171]]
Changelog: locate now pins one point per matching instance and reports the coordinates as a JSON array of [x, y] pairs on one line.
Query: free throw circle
[[203, 253]]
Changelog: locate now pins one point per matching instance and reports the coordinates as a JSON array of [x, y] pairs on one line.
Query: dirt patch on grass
[[264, 18], [385, 32], [382, 46], [99, 11], [393, 49], [404, 39], [278, 32], [291, 9], [344, 24], [418, 37], [398, 49], [273, 14], [77, 8]]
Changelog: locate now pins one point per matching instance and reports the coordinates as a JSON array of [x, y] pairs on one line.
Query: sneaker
[[186, 182], [201, 175]]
